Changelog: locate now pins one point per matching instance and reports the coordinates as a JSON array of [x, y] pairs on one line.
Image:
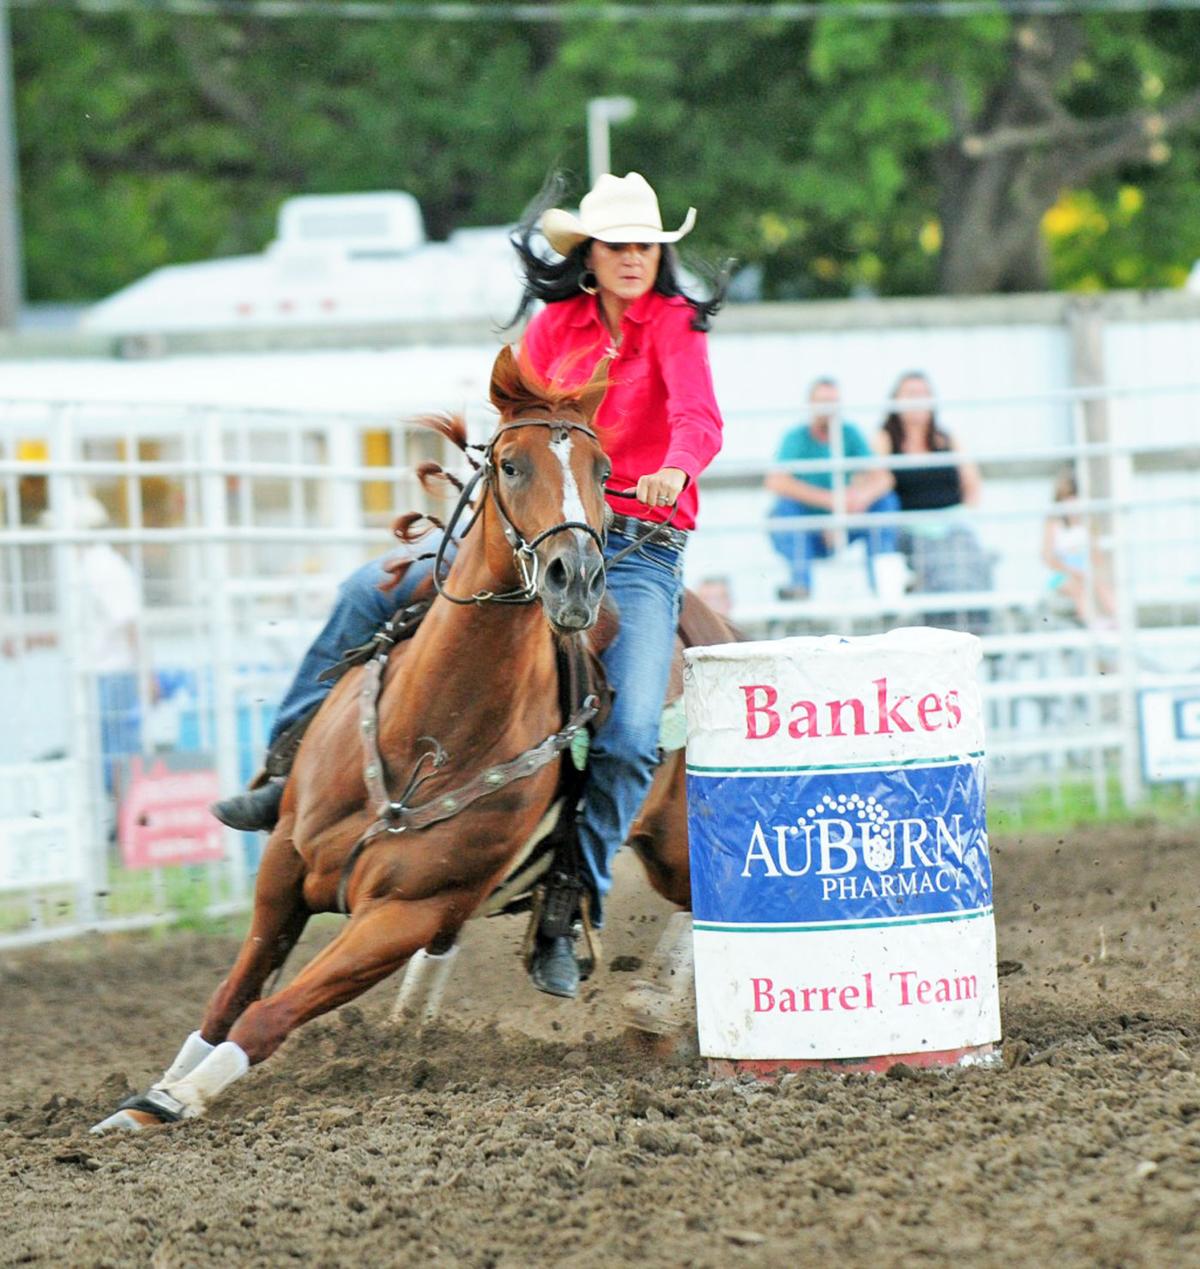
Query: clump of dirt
[[523, 1130]]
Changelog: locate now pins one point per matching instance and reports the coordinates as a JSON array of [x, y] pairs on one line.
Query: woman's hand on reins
[[661, 489]]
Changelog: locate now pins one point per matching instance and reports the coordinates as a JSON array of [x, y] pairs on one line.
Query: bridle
[[524, 550]]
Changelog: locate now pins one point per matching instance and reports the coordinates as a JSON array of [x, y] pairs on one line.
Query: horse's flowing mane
[[452, 426]]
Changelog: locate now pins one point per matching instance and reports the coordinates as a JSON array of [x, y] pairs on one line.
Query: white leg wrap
[[225, 1064], [665, 1001], [195, 1049], [422, 987]]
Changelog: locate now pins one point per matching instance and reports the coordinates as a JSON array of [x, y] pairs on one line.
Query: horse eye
[[509, 469]]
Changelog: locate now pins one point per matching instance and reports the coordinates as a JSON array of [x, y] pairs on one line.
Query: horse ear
[[509, 391], [592, 392]]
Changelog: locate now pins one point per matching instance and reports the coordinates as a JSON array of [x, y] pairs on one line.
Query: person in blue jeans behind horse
[[613, 293], [812, 493]]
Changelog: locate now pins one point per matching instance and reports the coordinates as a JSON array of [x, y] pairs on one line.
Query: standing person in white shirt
[[108, 634]]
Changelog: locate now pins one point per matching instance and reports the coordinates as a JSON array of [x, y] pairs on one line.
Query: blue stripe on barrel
[[831, 845]]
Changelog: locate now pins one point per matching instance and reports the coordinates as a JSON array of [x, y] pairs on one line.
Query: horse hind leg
[[280, 915], [423, 985], [659, 835], [660, 1008]]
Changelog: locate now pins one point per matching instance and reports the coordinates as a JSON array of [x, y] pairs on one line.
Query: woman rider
[[615, 293]]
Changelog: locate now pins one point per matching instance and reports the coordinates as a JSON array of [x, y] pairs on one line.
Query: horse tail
[[699, 626], [430, 472]]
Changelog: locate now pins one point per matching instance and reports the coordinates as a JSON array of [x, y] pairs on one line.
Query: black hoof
[[156, 1103], [161, 1106]]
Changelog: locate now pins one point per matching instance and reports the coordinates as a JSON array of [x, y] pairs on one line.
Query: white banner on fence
[[1170, 718], [40, 842]]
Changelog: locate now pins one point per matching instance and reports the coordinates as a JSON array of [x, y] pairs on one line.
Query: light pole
[[602, 111], [10, 217]]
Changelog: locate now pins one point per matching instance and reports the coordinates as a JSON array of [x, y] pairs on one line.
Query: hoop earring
[[588, 288]]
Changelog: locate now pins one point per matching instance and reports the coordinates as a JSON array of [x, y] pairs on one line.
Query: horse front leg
[[377, 940], [280, 915]]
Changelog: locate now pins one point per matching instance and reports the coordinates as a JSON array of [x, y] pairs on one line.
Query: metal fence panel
[[236, 526]]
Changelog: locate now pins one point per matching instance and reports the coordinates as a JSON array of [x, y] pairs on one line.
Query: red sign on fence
[[164, 817]]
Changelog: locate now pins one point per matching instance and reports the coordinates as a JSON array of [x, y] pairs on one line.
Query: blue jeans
[[799, 547], [360, 609], [120, 721], [648, 589]]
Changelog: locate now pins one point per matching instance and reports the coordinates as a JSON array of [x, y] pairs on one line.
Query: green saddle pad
[[672, 731], [672, 734]]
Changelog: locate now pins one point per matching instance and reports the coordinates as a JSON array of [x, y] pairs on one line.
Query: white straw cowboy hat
[[616, 209]]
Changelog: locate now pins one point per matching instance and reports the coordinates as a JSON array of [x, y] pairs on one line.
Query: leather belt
[[635, 530]]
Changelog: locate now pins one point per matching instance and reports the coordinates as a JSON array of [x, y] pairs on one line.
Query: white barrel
[[841, 880]]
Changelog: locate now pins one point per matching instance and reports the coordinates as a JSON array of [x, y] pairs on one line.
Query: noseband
[[524, 551]]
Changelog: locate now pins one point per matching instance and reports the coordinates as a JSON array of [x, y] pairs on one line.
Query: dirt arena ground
[[523, 1132]]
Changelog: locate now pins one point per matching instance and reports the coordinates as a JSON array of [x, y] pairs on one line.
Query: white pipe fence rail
[[235, 526]]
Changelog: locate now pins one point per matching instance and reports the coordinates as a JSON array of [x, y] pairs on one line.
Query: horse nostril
[[556, 574]]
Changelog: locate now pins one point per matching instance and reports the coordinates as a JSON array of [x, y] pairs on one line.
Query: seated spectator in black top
[[943, 555]]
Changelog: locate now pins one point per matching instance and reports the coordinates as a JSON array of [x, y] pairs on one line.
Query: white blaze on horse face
[[560, 447]]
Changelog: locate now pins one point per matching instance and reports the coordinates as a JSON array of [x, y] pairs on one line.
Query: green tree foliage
[[975, 129], [898, 156]]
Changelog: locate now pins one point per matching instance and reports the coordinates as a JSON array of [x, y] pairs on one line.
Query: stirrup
[[562, 908]]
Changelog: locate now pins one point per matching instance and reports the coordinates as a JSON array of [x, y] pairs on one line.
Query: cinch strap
[[399, 816]]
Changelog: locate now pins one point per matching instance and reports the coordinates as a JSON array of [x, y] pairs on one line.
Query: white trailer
[[337, 260]]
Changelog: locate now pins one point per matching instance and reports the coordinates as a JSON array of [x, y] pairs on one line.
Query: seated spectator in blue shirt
[[812, 492]]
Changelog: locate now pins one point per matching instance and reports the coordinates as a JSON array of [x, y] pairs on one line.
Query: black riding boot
[[553, 966], [256, 810]]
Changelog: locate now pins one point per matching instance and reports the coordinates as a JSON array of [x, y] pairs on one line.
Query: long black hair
[[552, 281], [937, 440]]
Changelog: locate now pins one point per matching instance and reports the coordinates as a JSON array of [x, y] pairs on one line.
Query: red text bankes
[[877, 713]]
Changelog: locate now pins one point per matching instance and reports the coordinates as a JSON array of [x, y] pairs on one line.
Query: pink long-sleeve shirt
[[659, 410]]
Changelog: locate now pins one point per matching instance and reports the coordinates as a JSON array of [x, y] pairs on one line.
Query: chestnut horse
[[481, 678]]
